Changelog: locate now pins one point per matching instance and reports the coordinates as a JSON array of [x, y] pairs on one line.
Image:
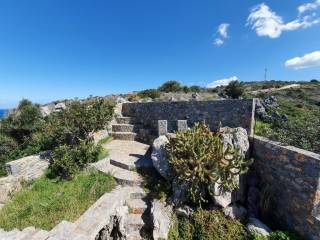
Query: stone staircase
[[125, 129]]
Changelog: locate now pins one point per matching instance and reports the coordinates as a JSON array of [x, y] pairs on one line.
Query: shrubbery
[[149, 93], [68, 133], [170, 86], [235, 89], [200, 160]]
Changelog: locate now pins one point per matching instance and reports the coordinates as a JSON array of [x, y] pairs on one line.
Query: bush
[[149, 93], [195, 88], [235, 89], [170, 86], [67, 160], [204, 225], [198, 158], [280, 235]]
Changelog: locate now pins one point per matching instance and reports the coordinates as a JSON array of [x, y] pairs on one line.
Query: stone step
[[40, 235], [123, 128], [125, 120], [138, 222], [137, 206], [138, 193], [139, 235], [142, 162], [126, 136], [62, 231], [26, 233], [11, 235]]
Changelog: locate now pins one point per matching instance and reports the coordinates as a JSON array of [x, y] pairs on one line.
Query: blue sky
[[53, 49]]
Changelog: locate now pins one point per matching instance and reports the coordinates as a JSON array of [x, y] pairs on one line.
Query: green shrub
[[207, 225], [170, 86], [69, 160], [283, 235], [149, 93], [198, 158], [235, 89], [195, 88]]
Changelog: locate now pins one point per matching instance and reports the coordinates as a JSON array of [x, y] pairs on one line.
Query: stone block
[[162, 127], [182, 125]]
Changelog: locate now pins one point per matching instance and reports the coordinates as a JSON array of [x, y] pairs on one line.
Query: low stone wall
[[231, 113], [292, 177], [23, 169]]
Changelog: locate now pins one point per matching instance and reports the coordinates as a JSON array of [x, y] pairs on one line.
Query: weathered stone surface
[[121, 100], [182, 125], [161, 216], [232, 113], [97, 136], [221, 198], [255, 226], [253, 201], [159, 158], [236, 137], [292, 176], [235, 211], [8, 185], [184, 211], [162, 127]]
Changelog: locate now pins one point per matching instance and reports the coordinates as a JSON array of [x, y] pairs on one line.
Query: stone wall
[[231, 113], [23, 169], [291, 177]]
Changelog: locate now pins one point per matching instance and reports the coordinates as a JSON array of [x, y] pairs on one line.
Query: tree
[[170, 86], [195, 88], [149, 93], [235, 89]]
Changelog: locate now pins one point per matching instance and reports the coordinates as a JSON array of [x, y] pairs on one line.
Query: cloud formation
[[307, 61], [309, 6], [267, 23], [223, 34], [222, 82]]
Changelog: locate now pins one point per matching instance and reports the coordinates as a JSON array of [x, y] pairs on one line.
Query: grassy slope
[[45, 202]]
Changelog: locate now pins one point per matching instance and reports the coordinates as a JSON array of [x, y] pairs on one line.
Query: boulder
[[161, 216], [220, 197], [235, 211], [256, 227], [270, 102], [121, 100], [237, 137], [184, 211], [159, 158]]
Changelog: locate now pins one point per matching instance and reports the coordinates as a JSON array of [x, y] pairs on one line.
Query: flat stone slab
[[128, 154]]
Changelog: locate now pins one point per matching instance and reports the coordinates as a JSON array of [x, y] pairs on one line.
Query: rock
[[237, 137], [184, 211], [195, 96], [120, 219], [235, 211], [221, 198], [101, 134], [255, 226], [121, 100], [179, 193], [270, 102], [161, 216], [253, 201], [172, 99], [60, 106], [159, 158]]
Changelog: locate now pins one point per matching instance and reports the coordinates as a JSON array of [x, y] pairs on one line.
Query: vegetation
[[205, 225], [200, 160], [70, 131], [170, 86], [235, 89], [105, 140], [302, 106], [149, 93], [44, 202]]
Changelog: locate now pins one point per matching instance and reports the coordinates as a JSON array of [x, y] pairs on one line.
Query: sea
[[3, 113]]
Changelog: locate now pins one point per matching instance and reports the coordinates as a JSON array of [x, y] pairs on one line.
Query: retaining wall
[[231, 113], [292, 177]]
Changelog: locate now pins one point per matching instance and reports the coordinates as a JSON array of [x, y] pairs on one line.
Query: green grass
[[44, 202], [105, 140], [103, 154]]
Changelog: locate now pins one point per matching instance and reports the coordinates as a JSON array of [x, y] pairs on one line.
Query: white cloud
[[306, 61], [218, 42], [223, 29], [222, 82], [309, 6], [267, 23], [223, 34]]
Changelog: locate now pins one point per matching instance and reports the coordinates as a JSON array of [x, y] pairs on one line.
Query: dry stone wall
[[291, 177], [231, 113]]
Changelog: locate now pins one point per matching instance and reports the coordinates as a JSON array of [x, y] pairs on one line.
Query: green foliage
[[170, 86], [200, 160], [195, 88], [149, 93], [207, 225], [235, 89], [21, 123], [69, 160], [44, 202], [282, 235]]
